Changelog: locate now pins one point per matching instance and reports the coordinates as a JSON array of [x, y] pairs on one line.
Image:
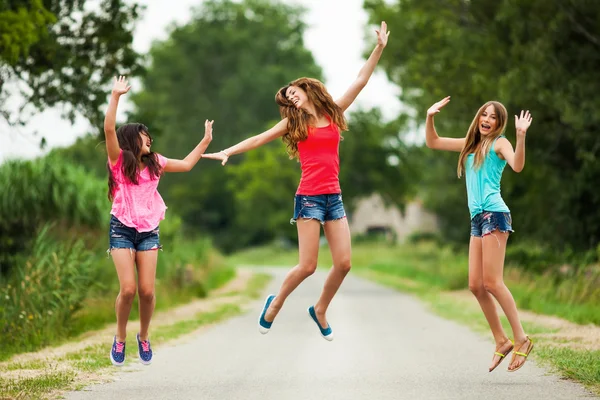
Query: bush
[[44, 291], [541, 259], [47, 189]]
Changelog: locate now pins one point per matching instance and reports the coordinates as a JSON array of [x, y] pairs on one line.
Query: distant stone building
[[373, 217]]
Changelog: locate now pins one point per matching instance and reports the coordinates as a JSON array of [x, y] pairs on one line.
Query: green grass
[[35, 364], [90, 359], [256, 285], [582, 366], [35, 387], [267, 255]]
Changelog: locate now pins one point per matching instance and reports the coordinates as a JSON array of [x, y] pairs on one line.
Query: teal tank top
[[483, 184]]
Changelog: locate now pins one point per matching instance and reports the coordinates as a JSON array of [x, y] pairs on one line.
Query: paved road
[[387, 346]]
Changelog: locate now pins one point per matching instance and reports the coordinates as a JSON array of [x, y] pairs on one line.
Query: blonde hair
[[299, 120], [477, 143]]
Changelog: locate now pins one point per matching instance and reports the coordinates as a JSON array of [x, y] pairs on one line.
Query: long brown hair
[[477, 143], [299, 120], [130, 143]]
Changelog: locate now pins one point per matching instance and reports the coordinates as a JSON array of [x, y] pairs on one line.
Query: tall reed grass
[[43, 292]]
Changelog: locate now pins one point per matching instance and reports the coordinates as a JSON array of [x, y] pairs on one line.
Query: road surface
[[386, 346]]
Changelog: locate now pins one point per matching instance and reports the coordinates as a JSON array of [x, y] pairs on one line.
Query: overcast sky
[[325, 20]]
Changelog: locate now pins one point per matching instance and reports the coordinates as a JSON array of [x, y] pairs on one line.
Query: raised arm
[[120, 87], [195, 155], [253, 142], [366, 71], [516, 158], [432, 140]]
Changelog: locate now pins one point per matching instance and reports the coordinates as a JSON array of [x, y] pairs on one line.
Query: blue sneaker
[[117, 353], [327, 333], [263, 325], [144, 350]]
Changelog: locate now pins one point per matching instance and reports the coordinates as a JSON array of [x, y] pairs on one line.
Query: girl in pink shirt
[[311, 126], [137, 208]]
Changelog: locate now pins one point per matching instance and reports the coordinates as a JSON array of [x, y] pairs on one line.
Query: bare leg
[[494, 249], [124, 264], [146, 267], [309, 231], [486, 302], [338, 237]]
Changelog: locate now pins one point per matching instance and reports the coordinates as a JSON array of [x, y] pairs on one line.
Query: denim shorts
[[488, 221], [322, 207], [124, 237]]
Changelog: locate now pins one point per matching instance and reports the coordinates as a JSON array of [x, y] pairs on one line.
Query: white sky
[[339, 20]]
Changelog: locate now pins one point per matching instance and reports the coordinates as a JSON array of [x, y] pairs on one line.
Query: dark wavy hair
[[299, 119], [130, 143]]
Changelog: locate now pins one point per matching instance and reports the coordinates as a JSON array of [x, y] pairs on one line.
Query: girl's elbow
[[431, 144]]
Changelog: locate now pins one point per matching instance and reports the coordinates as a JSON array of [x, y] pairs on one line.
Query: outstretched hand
[[436, 108], [208, 130], [382, 34], [120, 85], [222, 156], [523, 122]]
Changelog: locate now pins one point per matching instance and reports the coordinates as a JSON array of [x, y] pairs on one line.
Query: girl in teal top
[[484, 152]]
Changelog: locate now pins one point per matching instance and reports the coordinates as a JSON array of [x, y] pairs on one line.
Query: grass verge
[[46, 376]]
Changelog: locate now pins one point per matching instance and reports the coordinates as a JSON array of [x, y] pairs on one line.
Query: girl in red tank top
[[310, 127]]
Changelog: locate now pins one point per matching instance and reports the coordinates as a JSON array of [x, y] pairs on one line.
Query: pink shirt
[[138, 206]]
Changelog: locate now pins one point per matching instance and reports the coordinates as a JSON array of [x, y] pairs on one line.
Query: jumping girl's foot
[[502, 350], [520, 354], [264, 324], [327, 332], [144, 350], [117, 353]]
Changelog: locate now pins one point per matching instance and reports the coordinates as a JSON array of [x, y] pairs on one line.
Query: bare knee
[[477, 288], [127, 293], [493, 285], [344, 266], [146, 293], [308, 268]]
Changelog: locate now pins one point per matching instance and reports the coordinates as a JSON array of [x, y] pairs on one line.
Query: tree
[[226, 64], [263, 186], [64, 51], [529, 54], [373, 160]]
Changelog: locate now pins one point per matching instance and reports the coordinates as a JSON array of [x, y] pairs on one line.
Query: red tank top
[[320, 161]]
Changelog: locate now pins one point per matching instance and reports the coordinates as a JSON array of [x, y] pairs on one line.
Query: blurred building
[[373, 217]]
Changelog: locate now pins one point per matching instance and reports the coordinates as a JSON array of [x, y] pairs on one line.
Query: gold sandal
[[518, 353], [502, 355]]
